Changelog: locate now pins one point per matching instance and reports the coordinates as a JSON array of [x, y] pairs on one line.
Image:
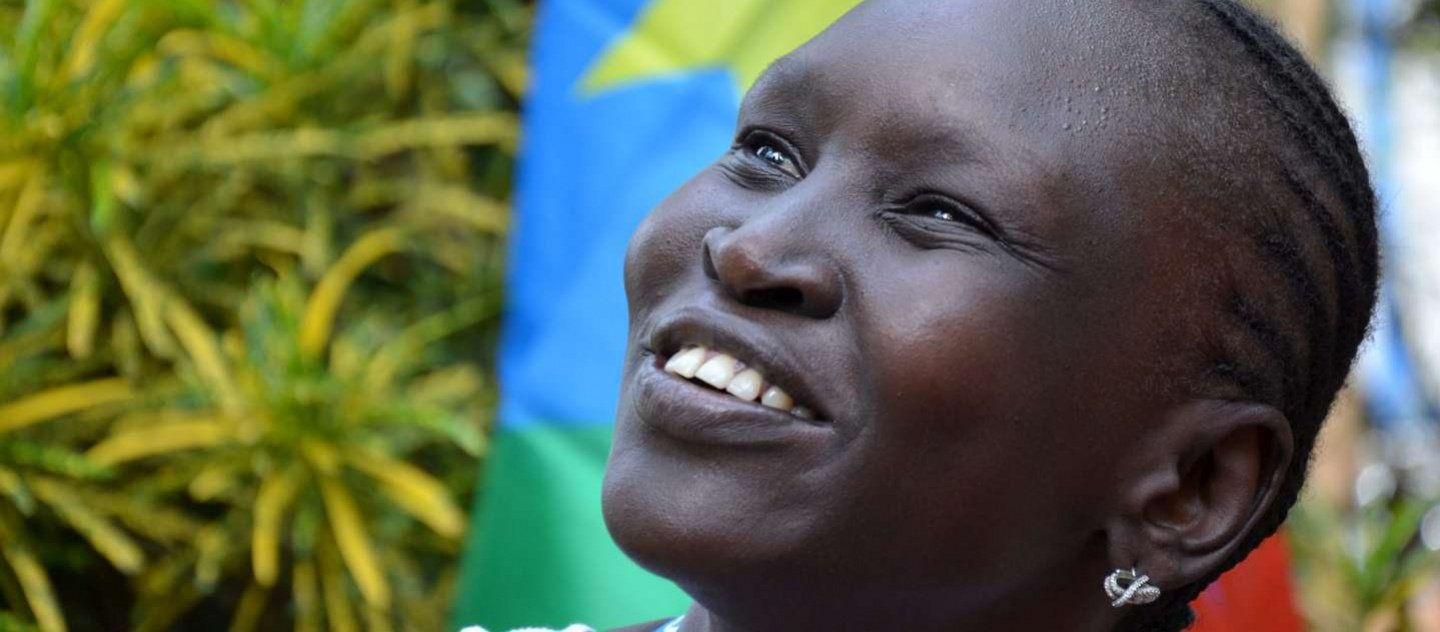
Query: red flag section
[[1255, 596]]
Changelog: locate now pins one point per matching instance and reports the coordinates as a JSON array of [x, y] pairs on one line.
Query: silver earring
[[1130, 588]]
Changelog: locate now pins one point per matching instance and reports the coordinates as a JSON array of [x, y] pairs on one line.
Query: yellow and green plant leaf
[[353, 543], [230, 252], [63, 400]]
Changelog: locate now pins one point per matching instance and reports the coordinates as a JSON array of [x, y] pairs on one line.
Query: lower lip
[[697, 414]]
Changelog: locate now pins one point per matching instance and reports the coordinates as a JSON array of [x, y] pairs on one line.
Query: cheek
[[962, 347], [967, 428], [651, 258], [666, 245], [977, 377]]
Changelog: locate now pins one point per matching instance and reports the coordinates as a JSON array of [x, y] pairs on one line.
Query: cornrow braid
[[1326, 198]]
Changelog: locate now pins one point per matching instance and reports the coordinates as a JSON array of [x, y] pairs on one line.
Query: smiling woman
[[992, 305]]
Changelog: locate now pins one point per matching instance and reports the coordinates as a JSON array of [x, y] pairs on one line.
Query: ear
[[1200, 482]]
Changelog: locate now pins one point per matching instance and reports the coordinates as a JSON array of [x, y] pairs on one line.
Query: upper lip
[[746, 341]]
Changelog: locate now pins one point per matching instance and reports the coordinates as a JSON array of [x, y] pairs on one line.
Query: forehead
[[1049, 74], [1036, 100], [1016, 51]]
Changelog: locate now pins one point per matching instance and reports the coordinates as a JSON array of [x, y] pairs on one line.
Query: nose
[[760, 269]]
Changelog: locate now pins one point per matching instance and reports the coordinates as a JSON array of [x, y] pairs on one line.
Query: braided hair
[[1300, 325]]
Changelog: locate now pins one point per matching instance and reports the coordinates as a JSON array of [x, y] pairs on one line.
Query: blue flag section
[[629, 99]]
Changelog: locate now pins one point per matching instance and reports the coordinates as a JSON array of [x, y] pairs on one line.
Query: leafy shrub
[[249, 269]]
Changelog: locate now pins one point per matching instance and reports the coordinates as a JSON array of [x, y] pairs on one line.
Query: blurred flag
[[1257, 596], [630, 98]]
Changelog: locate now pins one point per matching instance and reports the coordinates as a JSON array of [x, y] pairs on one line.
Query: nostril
[[787, 299], [707, 259], [757, 270]]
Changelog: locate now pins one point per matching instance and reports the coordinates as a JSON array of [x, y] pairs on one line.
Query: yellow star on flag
[[672, 37]]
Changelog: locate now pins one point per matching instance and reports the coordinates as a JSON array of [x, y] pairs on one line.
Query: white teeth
[[746, 386], [718, 371], [726, 373], [686, 363], [776, 398]]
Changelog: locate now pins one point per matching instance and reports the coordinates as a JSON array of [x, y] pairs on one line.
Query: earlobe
[[1213, 470]]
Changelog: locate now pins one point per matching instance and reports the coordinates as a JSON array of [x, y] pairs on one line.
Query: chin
[[656, 519], [732, 559], [688, 527], [673, 550]]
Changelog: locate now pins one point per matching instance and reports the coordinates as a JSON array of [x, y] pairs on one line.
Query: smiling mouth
[[724, 373]]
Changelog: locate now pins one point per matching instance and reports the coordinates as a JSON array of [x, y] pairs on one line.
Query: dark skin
[[933, 232]]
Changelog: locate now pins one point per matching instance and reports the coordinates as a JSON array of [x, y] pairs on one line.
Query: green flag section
[[553, 522], [629, 99]]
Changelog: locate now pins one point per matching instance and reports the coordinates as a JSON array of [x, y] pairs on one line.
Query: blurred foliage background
[[250, 261]]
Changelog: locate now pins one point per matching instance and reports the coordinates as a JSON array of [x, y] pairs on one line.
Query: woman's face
[[915, 237]]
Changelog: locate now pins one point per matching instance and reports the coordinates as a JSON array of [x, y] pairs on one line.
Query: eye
[[772, 153], [937, 209], [774, 156], [942, 214], [943, 210]]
